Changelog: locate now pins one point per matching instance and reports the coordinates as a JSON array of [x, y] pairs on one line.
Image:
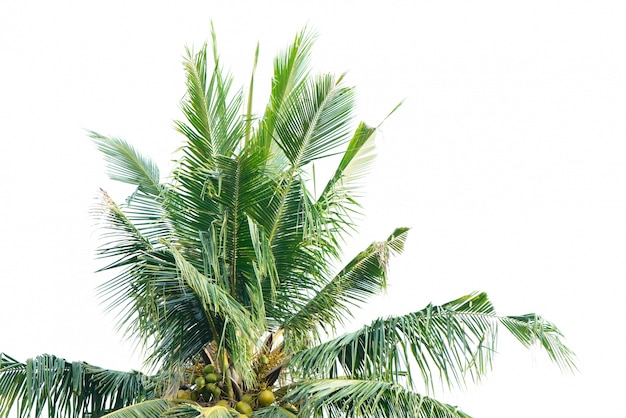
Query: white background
[[506, 159]]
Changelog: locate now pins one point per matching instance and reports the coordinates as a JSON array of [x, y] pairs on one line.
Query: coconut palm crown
[[229, 274]]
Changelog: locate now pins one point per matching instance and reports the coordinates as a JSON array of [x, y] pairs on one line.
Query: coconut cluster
[[203, 385]]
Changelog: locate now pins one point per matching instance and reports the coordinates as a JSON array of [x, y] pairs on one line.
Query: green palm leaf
[[365, 398], [215, 122], [52, 385], [362, 278], [315, 121], [127, 165], [532, 329], [274, 412], [213, 297], [338, 201], [450, 342], [290, 71], [146, 294], [191, 410], [146, 409]]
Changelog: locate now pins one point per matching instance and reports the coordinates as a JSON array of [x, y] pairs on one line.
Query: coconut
[[211, 378], [243, 408], [200, 382], [266, 397]]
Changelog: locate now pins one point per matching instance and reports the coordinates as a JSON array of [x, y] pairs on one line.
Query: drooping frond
[[450, 342], [532, 329], [274, 411], [145, 409], [146, 293], [348, 398], [362, 278], [192, 410], [125, 244], [51, 385], [264, 280]]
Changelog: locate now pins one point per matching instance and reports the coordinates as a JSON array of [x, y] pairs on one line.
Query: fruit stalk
[[228, 385]]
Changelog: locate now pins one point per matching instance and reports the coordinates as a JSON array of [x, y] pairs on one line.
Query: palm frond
[[213, 297], [127, 246], [362, 278], [450, 342], [449, 338], [274, 412], [249, 117], [242, 189], [146, 294], [307, 119], [338, 200], [215, 122], [299, 263], [312, 125], [52, 385], [291, 68], [263, 280], [192, 410], [127, 165], [145, 409], [365, 398], [316, 121], [129, 293], [532, 329]]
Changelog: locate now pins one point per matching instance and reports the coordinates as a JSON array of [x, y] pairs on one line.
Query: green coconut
[[243, 408], [266, 397]]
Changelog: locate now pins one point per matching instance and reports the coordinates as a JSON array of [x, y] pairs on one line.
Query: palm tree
[[229, 277]]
